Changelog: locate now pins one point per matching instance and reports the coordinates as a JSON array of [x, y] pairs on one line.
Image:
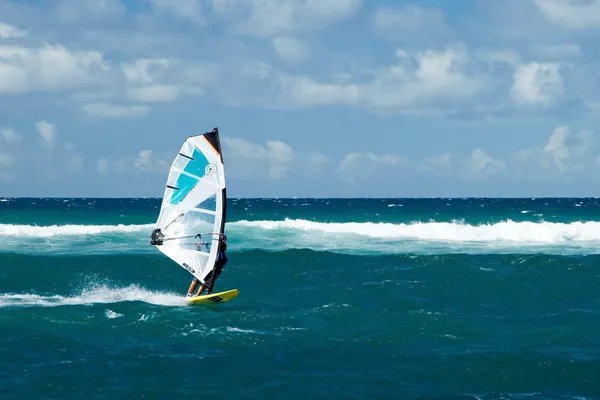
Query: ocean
[[339, 299]]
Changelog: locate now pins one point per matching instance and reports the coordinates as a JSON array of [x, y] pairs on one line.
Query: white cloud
[[536, 84], [46, 158], [481, 162], [56, 68], [437, 163], [47, 131], [69, 146], [556, 147], [258, 70], [146, 161], [438, 81], [504, 56], [421, 82], [558, 51], [315, 165], [476, 164], [74, 11], [573, 14], [6, 160], [145, 70], [250, 161], [523, 155], [564, 146], [363, 164], [107, 110], [48, 68], [539, 52], [305, 92], [409, 22], [75, 163], [564, 151], [154, 93], [165, 80], [102, 165], [290, 49], [9, 31], [9, 135], [438, 75], [189, 9], [276, 17], [275, 160], [280, 154]]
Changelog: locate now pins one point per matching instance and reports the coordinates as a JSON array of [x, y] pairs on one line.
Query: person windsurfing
[[214, 273]]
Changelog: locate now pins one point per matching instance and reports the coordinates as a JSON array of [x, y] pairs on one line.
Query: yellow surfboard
[[213, 298]]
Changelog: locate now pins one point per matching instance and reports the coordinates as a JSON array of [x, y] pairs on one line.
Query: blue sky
[[312, 98]]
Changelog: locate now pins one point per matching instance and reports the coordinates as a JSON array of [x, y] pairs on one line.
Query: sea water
[[339, 298]]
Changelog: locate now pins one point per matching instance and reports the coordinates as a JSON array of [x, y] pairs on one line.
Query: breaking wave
[[343, 237], [97, 295], [34, 231], [544, 232]]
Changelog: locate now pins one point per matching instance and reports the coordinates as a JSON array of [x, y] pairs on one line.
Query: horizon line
[[306, 198]]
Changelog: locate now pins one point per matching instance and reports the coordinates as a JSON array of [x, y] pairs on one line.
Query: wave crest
[[545, 232], [68, 230], [345, 237]]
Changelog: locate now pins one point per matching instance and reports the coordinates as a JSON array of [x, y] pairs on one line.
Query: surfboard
[[213, 298], [190, 228]]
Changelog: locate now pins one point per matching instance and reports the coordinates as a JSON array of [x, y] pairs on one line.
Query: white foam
[[111, 314], [96, 295], [239, 330], [542, 232], [547, 232], [343, 237], [68, 230]]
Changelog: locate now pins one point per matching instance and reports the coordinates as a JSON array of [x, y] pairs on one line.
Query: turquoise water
[[339, 298]]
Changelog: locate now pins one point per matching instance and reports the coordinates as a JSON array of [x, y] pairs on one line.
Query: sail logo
[[210, 169], [188, 268]]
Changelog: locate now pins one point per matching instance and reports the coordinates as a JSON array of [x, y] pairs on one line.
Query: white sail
[[192, 214]]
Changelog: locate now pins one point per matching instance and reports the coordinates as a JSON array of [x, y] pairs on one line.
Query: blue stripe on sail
[[186, 183]]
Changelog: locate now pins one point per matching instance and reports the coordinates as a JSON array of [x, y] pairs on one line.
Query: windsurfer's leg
[[215, 274], [192, 286], [210, 283], [200, 290], [203, 286]]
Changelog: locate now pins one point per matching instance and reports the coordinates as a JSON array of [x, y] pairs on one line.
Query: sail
[[193, 209]]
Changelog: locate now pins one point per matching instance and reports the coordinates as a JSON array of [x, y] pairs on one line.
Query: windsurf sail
[[193, 209]]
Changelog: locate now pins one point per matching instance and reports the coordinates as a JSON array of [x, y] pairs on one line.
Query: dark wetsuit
[[216, 271]]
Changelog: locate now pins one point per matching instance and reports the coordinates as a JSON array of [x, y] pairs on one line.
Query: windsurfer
[[214, 273]]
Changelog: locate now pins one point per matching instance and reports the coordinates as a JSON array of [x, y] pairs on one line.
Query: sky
[[312, 98]]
